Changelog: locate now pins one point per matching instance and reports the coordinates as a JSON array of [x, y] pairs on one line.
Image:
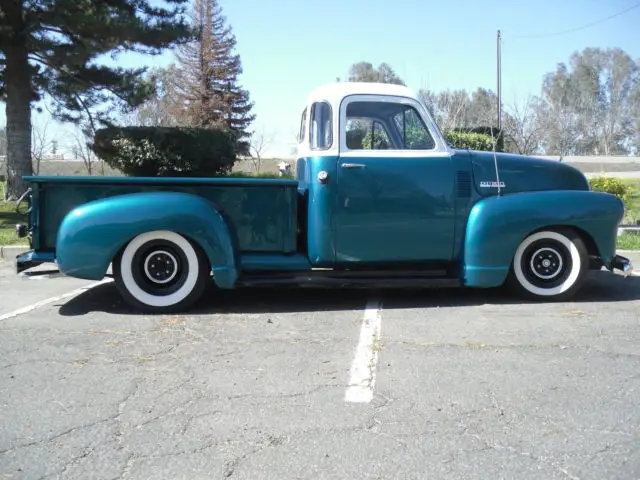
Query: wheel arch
[[585, 236], [497, 225], [93, 235]]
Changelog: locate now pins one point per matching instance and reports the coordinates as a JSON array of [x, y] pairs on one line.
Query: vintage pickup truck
[[379, 199]]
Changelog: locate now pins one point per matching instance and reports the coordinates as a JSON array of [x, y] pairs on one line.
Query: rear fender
[[497, 225], [91, 235]]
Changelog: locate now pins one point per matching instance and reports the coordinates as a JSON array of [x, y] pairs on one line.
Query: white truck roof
[[334, 92]]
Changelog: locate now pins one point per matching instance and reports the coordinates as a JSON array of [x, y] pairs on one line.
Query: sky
[[288, 47]]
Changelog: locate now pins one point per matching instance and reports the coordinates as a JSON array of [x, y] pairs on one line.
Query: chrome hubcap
[[160, 267], [546, 263]]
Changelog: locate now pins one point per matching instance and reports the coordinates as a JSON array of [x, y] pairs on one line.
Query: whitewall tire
[[549, 265], [161, 271]]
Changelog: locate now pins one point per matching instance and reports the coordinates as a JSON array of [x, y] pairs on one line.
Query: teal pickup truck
[[379, 199]]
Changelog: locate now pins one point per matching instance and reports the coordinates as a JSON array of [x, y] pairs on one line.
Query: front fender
[[497, 225], [91, 234]]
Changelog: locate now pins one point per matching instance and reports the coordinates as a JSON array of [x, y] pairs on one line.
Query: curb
[[9, 252], [627, 229]]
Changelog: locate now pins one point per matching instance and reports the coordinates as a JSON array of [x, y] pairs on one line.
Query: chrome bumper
[[623, 264], [33, 258]]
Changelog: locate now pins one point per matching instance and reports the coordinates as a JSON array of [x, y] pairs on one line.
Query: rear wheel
[[550, 264], [161, 271]]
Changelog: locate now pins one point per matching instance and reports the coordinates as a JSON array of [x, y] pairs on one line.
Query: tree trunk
[[18, 111]]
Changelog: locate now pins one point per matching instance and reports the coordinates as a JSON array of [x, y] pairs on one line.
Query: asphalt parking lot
[[314, 384]]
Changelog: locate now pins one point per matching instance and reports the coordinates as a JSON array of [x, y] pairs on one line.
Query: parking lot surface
[[319, 383]]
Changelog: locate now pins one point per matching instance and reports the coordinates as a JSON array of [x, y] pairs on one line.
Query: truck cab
[[381, 179]]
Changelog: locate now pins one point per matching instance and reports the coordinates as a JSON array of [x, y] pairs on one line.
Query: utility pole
[[499, 75]]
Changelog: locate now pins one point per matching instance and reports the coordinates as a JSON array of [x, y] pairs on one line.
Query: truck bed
[[263, 212]]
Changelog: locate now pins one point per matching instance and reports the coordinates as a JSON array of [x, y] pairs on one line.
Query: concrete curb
[[622, 230], [9, 252]]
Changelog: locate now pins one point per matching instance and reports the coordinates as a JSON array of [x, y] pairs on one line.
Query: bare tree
[[588, 105], [258, 144], [448, 108], [559, 129], [83, 138], [522, 127], [81, 149], [40, 143], [161, 109], [457, 109], [635, 139], [483, 108], [558, 110]]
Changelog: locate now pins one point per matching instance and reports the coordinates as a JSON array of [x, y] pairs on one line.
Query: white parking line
[[47, 301], [363, 369]]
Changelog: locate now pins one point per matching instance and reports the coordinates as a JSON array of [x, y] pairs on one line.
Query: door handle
[[353, 165]]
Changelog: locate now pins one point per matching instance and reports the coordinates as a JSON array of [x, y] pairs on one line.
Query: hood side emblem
[[486, 184]]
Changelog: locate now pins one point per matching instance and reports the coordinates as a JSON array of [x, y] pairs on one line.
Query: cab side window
[[321, 132], [378, 125], [366, 134], [303, 122], [414, 133]]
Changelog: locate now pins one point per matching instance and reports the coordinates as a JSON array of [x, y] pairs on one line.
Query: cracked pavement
[[250, 385]]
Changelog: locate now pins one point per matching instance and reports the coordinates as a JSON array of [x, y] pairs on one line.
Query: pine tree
[[48, 49], [208, 93]]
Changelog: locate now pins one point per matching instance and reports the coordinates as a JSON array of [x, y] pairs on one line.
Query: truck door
[[395, 187]]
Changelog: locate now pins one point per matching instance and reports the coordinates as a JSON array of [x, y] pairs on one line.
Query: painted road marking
[[47, 275], [363, 369], [47, 301]]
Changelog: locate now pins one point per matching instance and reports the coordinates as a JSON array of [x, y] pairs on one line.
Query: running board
[[361, 273], [351, 281]]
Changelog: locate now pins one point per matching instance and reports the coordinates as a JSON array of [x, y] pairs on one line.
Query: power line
[[582, 27]]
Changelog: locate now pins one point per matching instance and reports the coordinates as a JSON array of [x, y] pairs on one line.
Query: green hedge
[[469, 140], [166, 151], [490, 132], [612, 185], [258, 175]]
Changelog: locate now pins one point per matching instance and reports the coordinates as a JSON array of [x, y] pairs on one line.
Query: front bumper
[[623, 264], [32, 258]]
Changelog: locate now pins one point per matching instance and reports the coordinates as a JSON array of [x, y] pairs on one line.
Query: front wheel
[[161, 271], [550, 265]]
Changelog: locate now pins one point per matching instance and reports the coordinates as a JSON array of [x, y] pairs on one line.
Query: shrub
[[628, 241], [469, 140], [166, 151], [612, 185], [491, 132]]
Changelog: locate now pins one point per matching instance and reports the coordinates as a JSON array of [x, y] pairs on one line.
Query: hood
[[519, 173]]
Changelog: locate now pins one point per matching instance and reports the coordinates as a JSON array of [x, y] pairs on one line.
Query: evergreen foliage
[[202, 88], [51, 47], [166, 151]]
